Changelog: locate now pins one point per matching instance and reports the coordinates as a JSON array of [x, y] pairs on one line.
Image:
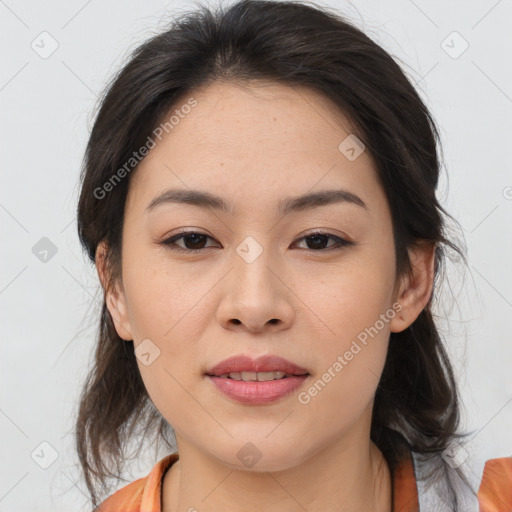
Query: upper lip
[[265, 363]]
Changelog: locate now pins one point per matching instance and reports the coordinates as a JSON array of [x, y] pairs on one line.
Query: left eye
[[319, 239], [197, 240]]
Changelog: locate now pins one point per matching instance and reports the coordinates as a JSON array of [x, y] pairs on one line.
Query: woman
[[258, 197]]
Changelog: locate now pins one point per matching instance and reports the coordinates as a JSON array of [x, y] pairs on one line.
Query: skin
[[255, 145]]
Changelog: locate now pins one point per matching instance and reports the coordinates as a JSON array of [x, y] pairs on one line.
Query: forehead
[[257, 142], [243, 114]]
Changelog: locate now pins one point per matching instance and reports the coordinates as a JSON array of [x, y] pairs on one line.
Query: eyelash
[[169, 243]]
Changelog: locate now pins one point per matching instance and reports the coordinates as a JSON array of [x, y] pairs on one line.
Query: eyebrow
[[286, 206]]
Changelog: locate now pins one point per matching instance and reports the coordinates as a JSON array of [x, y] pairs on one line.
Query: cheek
[[167, 307], [352, 314], [351, 343], [160, 298], [348, 299]]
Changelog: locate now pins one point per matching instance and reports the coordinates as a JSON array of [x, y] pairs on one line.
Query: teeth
[[255, 376]]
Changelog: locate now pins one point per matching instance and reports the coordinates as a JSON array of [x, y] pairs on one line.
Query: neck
[[350, 475]]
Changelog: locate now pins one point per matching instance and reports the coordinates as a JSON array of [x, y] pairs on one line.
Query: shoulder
[[127, 499], [495, 491], [141, 494]]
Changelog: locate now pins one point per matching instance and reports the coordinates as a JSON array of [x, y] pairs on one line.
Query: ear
[[114, 294], [416, 288]]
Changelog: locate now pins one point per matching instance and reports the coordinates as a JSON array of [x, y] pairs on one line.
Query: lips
[[266, 363]]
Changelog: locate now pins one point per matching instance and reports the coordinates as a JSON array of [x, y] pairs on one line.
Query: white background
[[49, 310]]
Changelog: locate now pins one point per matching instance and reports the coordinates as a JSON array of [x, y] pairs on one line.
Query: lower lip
[[256, 392]]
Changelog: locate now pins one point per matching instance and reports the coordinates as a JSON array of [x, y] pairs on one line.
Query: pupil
[[195, 241], [317, 237]]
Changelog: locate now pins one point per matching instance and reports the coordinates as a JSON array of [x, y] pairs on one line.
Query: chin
[[261, 455]]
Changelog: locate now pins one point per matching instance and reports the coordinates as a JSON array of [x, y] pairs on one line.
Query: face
[[255, 280]]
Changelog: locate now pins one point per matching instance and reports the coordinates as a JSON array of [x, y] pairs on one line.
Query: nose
[[257, 294]]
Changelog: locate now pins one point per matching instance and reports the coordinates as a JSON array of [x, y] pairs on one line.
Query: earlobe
[[113, 295], [416, 288]]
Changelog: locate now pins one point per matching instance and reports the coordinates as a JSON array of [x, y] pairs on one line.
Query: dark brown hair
[[296, 44]]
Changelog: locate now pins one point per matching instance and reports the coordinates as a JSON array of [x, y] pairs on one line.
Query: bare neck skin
[[351, 474]]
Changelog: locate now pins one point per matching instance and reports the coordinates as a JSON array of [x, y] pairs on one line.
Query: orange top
[[494, 494]]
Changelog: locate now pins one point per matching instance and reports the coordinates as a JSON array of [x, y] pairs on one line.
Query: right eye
[[191, 238]]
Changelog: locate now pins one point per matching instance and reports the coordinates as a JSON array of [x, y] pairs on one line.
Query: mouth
[[265, 367], [258, 376], [263, 380]]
